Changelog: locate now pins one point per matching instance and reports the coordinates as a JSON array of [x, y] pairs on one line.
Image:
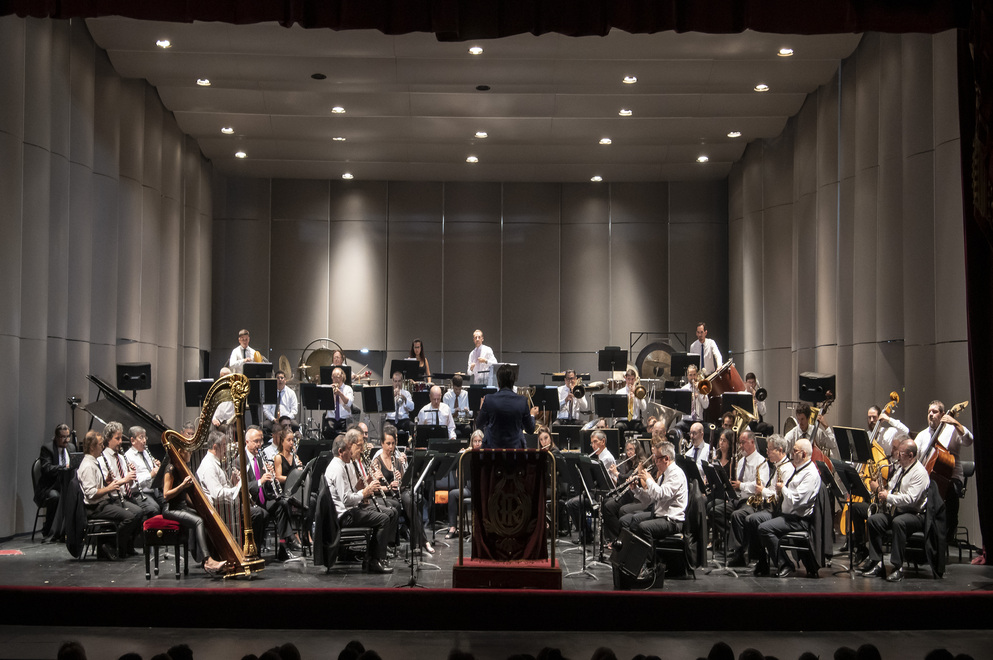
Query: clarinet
[[131, 466]]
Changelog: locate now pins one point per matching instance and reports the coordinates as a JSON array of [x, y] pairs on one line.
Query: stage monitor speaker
[[630, 553], [815, 388], [134, 376]]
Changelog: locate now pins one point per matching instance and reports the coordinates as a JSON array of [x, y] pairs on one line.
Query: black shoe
[[379, 567], [786, 571], [283, 553], [844, 548], [864, 565], [737, 560], [895, 576], [108, 551], [860, 556], [875, 570], [452, 534], [761, 569]]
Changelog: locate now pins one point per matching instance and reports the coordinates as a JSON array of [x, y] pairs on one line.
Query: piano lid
[[116, 407]]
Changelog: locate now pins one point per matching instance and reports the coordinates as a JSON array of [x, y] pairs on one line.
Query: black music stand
[[853, 444], [407, 366], [195, 391], [569, 436], [610, 405], [609, 357], [326, 371], [678, 399], [845, 484], [741, 399], [546, 398], [408, 479], [260, 392], [476, 394], [421, 399], [254, 370], [721, 488], [679, 363], [691, 470], [587, 476], [378, 400]]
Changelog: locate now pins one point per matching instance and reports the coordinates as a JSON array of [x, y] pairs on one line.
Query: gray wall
[[105, 219], [550, 272], [846, 240]]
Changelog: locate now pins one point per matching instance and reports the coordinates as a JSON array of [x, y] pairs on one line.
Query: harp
[[238, 560]]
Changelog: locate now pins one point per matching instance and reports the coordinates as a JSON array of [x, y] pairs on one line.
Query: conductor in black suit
[[504, 416]]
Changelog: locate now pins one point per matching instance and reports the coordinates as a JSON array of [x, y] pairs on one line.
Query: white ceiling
[[412, 107]]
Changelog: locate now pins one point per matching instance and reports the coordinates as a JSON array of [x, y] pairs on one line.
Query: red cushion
[[158, 522]]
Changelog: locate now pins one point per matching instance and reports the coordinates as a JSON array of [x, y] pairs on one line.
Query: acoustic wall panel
[[867, 93], [240, 285], [889, 254], [472, 281], [945, 97], [14, 55], [532, 365], [57, 260], [127, 272], [532, 203], [411, 201], [777, 248], [805, 156], [805, 270], [152, 250], [891, 76], [827, 132], [34, 242], [640, 276], [291, 200], [166, 320], [357, 283], [949, 253], [918, 241], [826, 248], [106, 118], [151, 169], [585, 203], [585, 258], [917, 88], [131, 111], [82, 86], [749, 296], [530, 292], [473, 202], [846, 138], [54, 404], [848, 236], [38, 85], [61, 94], [864, 250], [752, 178], [365, 201], [89, 197], [740, 334], [172, 159]]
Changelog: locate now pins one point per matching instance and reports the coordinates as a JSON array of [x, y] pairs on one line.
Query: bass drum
[[789, 425], [726, 379]]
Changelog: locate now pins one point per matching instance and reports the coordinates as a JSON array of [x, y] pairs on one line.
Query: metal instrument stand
[[415, 552], [595, 508], [717, 567]]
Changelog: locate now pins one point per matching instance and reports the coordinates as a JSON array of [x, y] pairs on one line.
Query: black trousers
[[383, 524], [125, 514], [189, 520], [902, 525], [776, 528]]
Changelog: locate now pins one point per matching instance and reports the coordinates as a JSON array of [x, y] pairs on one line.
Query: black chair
[[98, 531], [930, 547], [673, 552], [42, 510], [329, 537], [962, 532]]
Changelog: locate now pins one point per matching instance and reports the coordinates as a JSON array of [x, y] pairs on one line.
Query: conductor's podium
[[511, 546]]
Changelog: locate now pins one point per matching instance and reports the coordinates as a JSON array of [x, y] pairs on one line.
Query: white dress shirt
[[800, 490], [950, 439], [344, 409], [669, 496], [224, 412], [239, 356], [486, 352], [143, 464], [440, 416], [91, 480], [606, 459], [712, 358], [825, 439], [462, 404], [699, 455], [639, 405], [753, 468], [908, 492], [214, 482], [571, 409], [784, 469], [287, 400], [404, 404], [341, 482], [698, 403]]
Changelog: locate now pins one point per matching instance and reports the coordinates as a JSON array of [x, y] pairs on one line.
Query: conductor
[[504, 416]]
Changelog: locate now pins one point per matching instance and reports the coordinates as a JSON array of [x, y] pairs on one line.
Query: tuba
[[243, 560]]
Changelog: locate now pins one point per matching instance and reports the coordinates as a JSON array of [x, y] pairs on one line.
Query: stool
[[159, 531], [97, 529]]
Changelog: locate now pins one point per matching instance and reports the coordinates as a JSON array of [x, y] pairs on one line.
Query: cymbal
[[304, 366]]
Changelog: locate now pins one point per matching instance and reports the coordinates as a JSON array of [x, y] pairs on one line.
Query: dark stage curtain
[[458, 20]]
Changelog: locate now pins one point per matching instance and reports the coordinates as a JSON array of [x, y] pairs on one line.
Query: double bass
[[941, 464]]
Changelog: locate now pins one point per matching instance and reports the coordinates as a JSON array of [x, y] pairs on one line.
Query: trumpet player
[[286, 402], [146, 467], [901, 509], [782, 470], [636, 406], [569, 405], [116, 466], [758, 405], [267, 501], [403, 403], [749, 472], [336, 419], [799, 494]]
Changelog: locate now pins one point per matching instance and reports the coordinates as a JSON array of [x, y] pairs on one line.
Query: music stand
[[195, 391], [741, 399], [261, 391], [420, 398], [569, 436], [585, 477], [427, 433], [610, 405], [678, 399], [546, 397], [845, 484], [679, 363], [609, 357], [407, 366], [476, 394], [326, 371], [691, 470], [721, 484], [849, 439], [254, 370]]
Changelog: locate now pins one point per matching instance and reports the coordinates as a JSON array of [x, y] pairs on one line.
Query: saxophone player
[[782, 470], [751, 468]]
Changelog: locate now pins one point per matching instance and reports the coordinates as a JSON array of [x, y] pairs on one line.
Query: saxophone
[[756, 501]]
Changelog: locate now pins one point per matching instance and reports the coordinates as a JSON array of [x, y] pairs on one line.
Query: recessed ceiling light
[[604, 140], [163, 43], [203, 82], [596, 178], [347, 175], [702, 159], [624, 112], [472, 159], [476, 50], [240, 154], [761, 87], [318, 76], [630, 80], [482, 135], [338, 110], [734, 134], [338, 138], [227, 130], [785, 52]]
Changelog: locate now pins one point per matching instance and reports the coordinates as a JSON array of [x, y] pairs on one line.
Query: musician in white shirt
[[481, 359], [224, 412], [215, 483], [750, 472], [634, 421], [146, 467], [710, 355], [799, 494], [569, 405], [598, 443], [437, 413], [336, 419], [116, 466], [403, 403], [698, 451], [667, 496], [456, 398], [823, 438], [699, 402], [102, 497], [242, 354], [782, 470], [952, 436], [286, 401], [889, 428]]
